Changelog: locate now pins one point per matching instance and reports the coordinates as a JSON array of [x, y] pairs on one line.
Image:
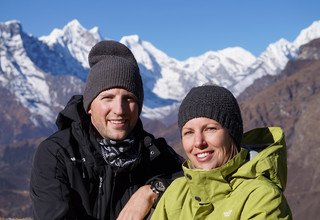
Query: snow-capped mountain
[[19, 74], [44, 72], [270, 62], [167, 80], [308, 34], [273, 60], [171, 79], [75, 40], [33, 70]]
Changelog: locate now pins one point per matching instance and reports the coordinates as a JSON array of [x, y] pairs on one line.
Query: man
[[101, 164]]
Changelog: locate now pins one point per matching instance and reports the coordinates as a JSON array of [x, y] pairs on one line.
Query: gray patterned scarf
[[119, 154]]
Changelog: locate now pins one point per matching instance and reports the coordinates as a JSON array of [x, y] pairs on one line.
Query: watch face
[[159, 186]]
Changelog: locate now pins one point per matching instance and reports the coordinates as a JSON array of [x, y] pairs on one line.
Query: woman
[[221, 179]]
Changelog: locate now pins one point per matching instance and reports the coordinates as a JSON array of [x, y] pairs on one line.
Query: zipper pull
[[73, 159], [83, 167], [100, 184]]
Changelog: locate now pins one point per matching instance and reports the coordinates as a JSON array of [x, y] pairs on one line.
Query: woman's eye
[[187, 133]]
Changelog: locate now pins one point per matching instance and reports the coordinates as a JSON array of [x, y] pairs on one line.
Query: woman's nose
[[200, 141]]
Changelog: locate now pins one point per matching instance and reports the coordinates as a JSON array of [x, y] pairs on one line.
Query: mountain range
[[39, 75], [42, 73]]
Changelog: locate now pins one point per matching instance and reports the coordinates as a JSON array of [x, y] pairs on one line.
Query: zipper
[[111, 204], [100, 197], [114, 183]]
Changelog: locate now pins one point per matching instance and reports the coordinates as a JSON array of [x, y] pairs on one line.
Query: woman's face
[[206, 143]]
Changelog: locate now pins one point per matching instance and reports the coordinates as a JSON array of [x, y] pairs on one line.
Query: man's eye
[[211, 129], [107, 98], [131, 99]]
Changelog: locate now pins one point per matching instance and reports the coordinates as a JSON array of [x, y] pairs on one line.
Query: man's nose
[[118, 106]]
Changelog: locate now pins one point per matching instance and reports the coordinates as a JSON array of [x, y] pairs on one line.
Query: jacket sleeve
[[167, 164], [266, 203], [160, 211], [48, 185]]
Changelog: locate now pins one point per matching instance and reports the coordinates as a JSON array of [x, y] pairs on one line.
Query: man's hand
[[139, 204]]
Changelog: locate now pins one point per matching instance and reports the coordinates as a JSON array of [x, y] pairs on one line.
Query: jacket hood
[[268, 155], [73, 112]]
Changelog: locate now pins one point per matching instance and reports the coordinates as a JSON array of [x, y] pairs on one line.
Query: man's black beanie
[[112, 66], [214, 102]]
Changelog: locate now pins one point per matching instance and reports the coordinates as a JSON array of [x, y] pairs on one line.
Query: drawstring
[[82, 161]]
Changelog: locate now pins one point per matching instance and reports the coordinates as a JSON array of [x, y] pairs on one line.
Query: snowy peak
[[232, 59], [12, 25], [134, 43], [10, 29], [277, 55], [270, 62], [73, 30], [130, 40], [145, 53], [75, 38], [306, 35], [238, 53], [74, 25], [12, 22]]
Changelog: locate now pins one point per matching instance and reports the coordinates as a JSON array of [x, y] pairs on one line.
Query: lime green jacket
[[249, 186]]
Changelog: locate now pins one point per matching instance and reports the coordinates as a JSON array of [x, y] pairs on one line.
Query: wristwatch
[[157, 187]]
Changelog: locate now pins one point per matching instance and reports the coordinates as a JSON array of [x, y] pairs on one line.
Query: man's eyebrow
[[107, 94], [130, 96]]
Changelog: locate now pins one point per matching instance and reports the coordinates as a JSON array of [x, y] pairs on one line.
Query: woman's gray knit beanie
[[112, 66], [214, 102]]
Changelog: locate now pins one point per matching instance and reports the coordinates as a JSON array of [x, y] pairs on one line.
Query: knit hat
[[112, 66], [214, 102]]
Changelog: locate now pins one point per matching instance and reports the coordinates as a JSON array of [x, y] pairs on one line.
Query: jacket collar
[[209, 186]]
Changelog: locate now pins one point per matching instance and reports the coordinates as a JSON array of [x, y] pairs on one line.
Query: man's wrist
[[158, 188], [154, 196]]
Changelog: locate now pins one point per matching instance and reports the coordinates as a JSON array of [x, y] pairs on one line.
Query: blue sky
[[180, 28]]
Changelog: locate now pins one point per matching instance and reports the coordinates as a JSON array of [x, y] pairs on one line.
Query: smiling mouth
[[118, 121], [202, 155]]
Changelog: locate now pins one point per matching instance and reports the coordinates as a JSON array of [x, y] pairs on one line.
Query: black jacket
[[71, 180]]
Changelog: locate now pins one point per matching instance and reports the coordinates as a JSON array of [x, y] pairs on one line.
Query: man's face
[[114, 113]]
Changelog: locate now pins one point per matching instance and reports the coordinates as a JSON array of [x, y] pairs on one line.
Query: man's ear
[[89, 112]]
